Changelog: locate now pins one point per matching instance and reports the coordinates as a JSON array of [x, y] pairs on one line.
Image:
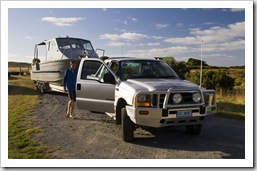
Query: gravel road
[[96, 136]]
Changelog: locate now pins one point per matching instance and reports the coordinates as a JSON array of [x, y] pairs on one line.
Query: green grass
[[22, 99]]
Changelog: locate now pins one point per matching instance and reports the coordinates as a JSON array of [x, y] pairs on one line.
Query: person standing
[[69, 83]]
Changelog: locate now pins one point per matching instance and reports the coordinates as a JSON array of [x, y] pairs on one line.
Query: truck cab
[[142, 92]]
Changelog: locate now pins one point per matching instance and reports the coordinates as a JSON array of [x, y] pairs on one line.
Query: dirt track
[[96, 136]]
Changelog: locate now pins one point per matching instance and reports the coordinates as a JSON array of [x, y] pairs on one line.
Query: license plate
[[184, 113]]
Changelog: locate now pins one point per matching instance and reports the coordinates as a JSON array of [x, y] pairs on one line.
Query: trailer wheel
[[127, 126], [193, 129], [37, 86], [42, 88]]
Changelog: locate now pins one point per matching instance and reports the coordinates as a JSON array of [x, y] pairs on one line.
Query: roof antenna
[[201, 69], [122, 51]]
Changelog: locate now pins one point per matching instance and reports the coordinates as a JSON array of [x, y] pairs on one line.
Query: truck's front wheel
[[127, 126], [193, 129]]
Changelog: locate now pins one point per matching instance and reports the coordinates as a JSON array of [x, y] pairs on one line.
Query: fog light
[[196, 97], [213, 108], [177, 98]]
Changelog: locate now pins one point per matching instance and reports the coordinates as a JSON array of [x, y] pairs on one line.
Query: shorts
[[72, 95]]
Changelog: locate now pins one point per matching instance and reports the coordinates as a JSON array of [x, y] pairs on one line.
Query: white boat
[[59, 52]]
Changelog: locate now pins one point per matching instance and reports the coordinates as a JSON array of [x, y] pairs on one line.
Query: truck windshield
[[145, 69]]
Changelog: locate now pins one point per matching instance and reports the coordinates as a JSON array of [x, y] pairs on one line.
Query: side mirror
[[109, 78]]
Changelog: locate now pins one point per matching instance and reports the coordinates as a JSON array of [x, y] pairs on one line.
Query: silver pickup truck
[[142, 92]]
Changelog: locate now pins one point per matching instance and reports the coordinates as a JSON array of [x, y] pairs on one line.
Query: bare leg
[[71, 107], [69, 110]]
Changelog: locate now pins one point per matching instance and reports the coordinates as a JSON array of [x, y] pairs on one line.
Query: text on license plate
[[184, 113]]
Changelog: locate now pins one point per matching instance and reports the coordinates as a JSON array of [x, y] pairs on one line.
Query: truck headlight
[[177, 98], [196, 97], [144, 100]]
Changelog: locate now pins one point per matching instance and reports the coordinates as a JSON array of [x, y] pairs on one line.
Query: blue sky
[[139, 32]]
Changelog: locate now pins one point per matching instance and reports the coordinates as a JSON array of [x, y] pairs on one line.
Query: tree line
[[211, 79]]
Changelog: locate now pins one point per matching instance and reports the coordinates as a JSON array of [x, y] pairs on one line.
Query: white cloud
[[156, 37], [237, 9], [28, 37], [12, 55], [18, 58], [62, 22], [208, 23], [219, 42], [179, 24], [183, 40], [134, 19], [125, 36], [161, 26], [173, 51], [216, 34], [153, 44], [117, 44]]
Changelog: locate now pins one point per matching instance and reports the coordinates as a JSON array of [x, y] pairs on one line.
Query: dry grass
[[231, 104]]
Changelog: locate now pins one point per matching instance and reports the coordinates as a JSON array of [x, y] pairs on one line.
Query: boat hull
[[51, 72]]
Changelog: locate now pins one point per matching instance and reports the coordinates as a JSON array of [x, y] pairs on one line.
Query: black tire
[[120, 105], [42, 88], [118, 119], [193, 129], [37, 87], [127, 126]]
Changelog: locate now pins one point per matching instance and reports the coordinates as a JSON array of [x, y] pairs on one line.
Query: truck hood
[[157, 84]]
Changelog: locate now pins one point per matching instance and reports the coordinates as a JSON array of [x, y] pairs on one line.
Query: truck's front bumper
[[157, 117]]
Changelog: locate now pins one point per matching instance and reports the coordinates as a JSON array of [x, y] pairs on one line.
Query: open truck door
[[95, 86]]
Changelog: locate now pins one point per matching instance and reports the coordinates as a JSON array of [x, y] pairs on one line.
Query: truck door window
[[95, 70], [89, 69]]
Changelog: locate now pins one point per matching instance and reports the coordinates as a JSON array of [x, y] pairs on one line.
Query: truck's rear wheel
[[127, 126], [194, 129]]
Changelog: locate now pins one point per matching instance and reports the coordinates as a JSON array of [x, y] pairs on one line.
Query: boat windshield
[[146, 69], [71, 43], [87, 45]]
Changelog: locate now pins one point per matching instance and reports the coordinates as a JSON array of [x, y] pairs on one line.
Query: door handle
[[78, 86]]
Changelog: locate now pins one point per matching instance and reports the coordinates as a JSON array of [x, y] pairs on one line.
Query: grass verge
[[231, 106], [22, 98]]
